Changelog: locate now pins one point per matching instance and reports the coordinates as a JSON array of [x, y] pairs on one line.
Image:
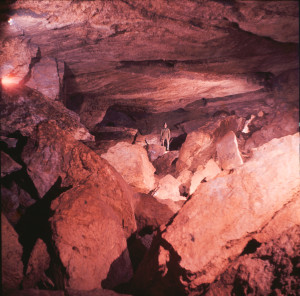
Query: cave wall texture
[[92, 204]]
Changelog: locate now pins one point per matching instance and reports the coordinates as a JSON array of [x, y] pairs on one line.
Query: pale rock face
[[83, 224], [132, 162], [168, 188], [37, 265], [210, 171], [200, 145], [228, 152], [11, 251], [8, 165], [45, 79], [238, 204]]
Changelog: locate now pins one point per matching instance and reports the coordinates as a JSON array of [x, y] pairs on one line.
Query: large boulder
[[168, 188], [132, 162], [241, 203], [11, 251], [53, 152], [200, 145], [22, 109], [222, 218], [155, 151], [228, 153], [89, 238], [45, 78]]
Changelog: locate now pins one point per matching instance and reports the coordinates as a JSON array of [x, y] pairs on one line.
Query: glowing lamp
[[11, 21], [9, 80]]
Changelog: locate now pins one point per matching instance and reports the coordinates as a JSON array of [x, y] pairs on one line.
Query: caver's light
[[11, 21], [9, 80]]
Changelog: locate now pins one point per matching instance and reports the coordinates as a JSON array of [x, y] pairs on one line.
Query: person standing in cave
[[165, 135]]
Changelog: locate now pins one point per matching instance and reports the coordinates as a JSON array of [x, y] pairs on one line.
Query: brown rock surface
[[8, 165], [155, 151], [237, 209], [89, 238], [39, 262], [11, 252], [47, 159], [23, 109], [165, 164], [269, 269], [228, 152], [45, 78], [132, 162]]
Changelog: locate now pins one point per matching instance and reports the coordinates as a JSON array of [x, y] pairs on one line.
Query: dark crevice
[[34, 224], [251, 247]]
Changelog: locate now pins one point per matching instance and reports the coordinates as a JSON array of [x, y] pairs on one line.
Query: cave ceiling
[[156, 56]]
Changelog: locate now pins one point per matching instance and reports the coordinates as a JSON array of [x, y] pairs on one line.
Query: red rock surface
[[11, 255], [132, 162], [8, 165], [89, 237], [47, 159]]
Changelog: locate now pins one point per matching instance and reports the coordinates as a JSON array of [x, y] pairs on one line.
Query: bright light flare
[[11, 21], [9, 81]]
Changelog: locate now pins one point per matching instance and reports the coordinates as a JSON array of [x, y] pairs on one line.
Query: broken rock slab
[[155, 151], [168, 188], [132, 162], [228, 152]]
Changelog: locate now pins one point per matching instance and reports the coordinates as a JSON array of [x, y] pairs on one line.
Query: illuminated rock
[[155, 151], [168, 188], [239, 204], [11, 251], [228, 152], [132, 162], [44, 78], [200, 145], [89, 237]]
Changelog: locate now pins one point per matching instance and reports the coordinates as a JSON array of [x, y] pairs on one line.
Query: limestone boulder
[[222, 213], [184, 178], [22, 109], [168, 188], [90, 238], [38, 263], [228, 152], [45, 78], [155, 151], [132, 162], [166, 164], [52, 152], [200, 145], [8, 165], [210, 171], [11, 251]]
